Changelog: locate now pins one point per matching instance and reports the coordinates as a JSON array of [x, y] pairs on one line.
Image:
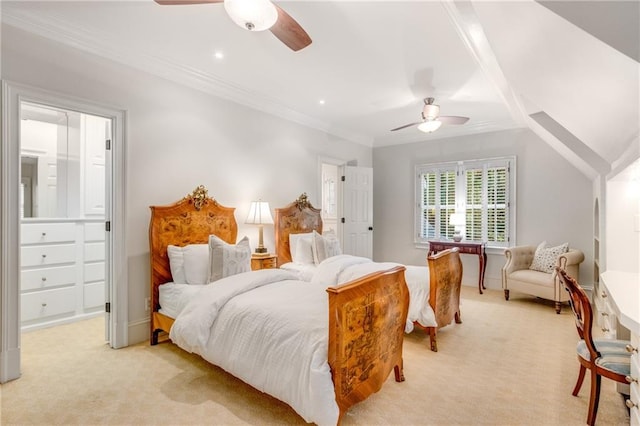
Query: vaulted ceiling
[[569, 70]]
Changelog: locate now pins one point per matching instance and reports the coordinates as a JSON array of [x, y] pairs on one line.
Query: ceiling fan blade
[[176, 2], [288, 31], [406, 125], [453, 119]]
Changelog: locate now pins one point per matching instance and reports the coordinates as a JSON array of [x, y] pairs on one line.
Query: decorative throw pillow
[[228, 259], [293, 243], [545, 258], [304, 252], [189, 264], [325, 246]]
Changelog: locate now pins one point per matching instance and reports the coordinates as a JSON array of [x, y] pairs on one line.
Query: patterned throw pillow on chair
[[545, 258]]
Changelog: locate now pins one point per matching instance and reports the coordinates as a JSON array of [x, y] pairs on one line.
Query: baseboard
[[139, 331]]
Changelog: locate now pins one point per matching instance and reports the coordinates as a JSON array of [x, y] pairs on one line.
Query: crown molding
[[59, 30]]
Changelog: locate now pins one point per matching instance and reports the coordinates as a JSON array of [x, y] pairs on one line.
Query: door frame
[[116, 271]]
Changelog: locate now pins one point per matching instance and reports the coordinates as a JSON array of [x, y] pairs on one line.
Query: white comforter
[[340, 269], [271, 331]]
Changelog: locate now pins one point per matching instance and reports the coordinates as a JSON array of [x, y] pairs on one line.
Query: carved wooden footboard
[[366, 327], [445, 279]]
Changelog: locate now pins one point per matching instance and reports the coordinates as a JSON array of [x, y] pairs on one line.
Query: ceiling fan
[[259, 15], [431, 118]]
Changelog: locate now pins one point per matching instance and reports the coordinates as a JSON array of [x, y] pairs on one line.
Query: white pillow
[[325, 246], [304, 252], [228, 259], [545, 258], [293, 242], [189, 264]]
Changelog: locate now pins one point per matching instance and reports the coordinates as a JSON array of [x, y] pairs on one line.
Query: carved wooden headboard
[[295, 218], [188, 221]]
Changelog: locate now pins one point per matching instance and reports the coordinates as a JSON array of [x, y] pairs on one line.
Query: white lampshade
[[259, 214], [430, 126], [253, 15], [457, 219]]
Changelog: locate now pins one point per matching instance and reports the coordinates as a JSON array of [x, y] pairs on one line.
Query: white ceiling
[[373, 62]]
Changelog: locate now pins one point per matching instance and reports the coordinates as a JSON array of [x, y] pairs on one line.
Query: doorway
[[62, 217], [62, 224], [347, 205]]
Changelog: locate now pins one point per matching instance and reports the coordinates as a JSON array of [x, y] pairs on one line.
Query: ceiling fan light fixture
[[252, 15], [430, 126]]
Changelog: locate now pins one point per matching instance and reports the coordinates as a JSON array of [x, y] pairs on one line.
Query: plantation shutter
[[497, 204], [447, 201], [479, 188], [428, 207], [437, 202], [474, 203]]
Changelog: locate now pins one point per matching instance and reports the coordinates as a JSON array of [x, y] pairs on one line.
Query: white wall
[[623, 221], [178, 138], [553, 198]]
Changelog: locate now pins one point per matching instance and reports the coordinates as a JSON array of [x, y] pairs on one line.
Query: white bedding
[[173, 297], [343, 268], [269, 329]]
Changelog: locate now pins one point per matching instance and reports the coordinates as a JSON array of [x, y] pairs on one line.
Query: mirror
[[62, 162]]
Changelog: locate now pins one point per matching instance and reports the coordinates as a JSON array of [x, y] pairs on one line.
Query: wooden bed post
[[367, 318]]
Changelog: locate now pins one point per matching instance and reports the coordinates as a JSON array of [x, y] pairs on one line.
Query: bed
[[328, 348], [434, 289]]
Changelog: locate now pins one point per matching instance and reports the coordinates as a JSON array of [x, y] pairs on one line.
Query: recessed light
[[218, 55], [321, 102]]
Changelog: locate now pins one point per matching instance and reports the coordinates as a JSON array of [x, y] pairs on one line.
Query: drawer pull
[[44, 279], [44, 304], [44, 234], [604, 295], [630, 404], [631, 379], [605, 330], [605, 314], [631, 349], [44, 256]]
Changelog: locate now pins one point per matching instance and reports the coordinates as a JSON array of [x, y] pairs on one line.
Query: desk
[[465, 248]]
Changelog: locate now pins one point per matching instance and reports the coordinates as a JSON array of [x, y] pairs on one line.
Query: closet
[[62, 208]]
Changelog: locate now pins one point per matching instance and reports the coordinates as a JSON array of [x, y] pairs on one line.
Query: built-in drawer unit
[[62, 276], [93, 295], [634, 381], [94, 231], [42, 278], [43, 233], [93, 252], [606, 317], [48, 303], [47, 255], [94, 272]]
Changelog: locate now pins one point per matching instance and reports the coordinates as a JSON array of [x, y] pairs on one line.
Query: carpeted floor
[[509, 363]]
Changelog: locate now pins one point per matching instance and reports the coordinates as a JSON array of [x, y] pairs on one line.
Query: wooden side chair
[[602, 357]]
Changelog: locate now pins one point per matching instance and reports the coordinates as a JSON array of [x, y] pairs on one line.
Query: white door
[[357, 211]]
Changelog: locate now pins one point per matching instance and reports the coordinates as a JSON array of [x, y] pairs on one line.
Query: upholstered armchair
[[517, 275]]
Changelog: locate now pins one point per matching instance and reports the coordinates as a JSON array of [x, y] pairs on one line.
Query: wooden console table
[[465, 248]]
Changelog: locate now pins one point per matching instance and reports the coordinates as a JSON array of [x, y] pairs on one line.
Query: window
[[483, 190]]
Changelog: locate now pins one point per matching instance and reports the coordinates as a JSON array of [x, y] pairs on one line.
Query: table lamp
[[458, 221], [259, 214]]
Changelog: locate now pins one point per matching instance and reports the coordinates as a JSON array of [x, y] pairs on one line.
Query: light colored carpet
[[509, 363]]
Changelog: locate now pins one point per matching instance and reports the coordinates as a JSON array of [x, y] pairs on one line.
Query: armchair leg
[[506, 294], [558, 307]]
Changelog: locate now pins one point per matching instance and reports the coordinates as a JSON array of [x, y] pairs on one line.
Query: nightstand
[[263, 262]]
